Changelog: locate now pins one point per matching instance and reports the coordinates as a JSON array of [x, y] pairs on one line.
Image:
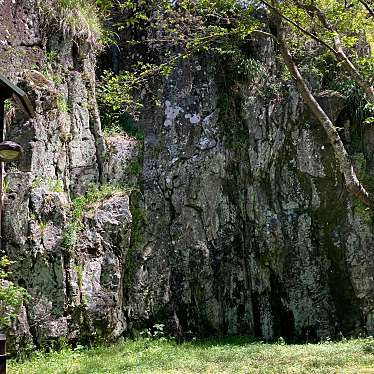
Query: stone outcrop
[[76, 292], [249, 227], [242, 224]]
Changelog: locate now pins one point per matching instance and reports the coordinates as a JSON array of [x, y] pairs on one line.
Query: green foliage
[[333, 77], [117, 122], [6, 186], [8, 105], [78, 19], [51, 184], [79, 271], [316, 33], [349, 19], [11, 296], [49, 69], [366, 65], [229, 355], [361, 168], [4, 264], [62, 105], [70, 235], [42, 226], [240, 67], [361, 211], [134, 168], [156, 332], [104, 5], [116, 93], [84, 203], [55, 185], [360, 109], [37, 182], [192, 26], [187, 27]]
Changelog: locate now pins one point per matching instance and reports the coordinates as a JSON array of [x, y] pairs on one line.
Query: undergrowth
[[11, 295]]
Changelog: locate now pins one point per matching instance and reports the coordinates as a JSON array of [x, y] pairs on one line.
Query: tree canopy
[[332, 37]]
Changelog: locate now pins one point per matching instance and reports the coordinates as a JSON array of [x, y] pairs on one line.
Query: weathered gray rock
[[97, 273], [256, 237], [63, 151], [123, 164]]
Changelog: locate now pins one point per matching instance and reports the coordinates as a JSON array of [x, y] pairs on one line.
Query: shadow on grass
[[227, 340]]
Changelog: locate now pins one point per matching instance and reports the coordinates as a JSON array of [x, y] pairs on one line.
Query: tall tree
[[352, 18], [320, 29]]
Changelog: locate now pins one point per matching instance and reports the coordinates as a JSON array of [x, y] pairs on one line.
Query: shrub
[[11, 296]]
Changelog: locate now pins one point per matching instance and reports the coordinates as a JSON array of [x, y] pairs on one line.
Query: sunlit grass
[[238, 355]]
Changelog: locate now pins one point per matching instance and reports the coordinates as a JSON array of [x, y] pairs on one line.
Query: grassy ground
[[238, 355]]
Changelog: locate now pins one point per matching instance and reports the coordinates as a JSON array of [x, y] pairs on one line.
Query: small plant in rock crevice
[[6, 187], [79, 271], [42, 226], [134, 168], [55, 185], [8, 105], [81, 204], [51, 184], [62, 105], [50, 68]]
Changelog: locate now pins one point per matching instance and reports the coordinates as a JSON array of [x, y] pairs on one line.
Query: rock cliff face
[[243, 224], [75, 288], [249, 227]]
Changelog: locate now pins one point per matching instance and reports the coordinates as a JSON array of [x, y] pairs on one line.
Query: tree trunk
[[351, 69], [338, 50], [341, 155]]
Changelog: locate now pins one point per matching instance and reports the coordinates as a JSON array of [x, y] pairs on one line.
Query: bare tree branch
[[368, 7], [299, 27]]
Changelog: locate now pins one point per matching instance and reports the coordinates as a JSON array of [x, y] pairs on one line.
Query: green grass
[[237, 355], [78, 19]]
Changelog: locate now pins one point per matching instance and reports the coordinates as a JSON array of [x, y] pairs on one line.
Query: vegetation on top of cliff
[[336, 35], [328, 23], [166, 33], [77, 19]]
